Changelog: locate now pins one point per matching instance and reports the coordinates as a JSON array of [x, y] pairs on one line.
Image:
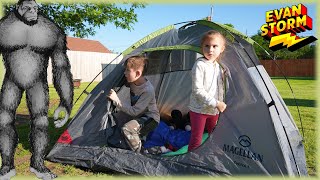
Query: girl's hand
[[221, 106]]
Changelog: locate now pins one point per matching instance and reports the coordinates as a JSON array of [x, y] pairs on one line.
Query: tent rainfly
[[256, 135]]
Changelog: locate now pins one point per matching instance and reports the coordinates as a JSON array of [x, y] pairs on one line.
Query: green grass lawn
[[304, 89], [305, 93], [23, 154]]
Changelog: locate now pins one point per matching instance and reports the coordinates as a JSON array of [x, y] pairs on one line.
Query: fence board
[[291, 68]]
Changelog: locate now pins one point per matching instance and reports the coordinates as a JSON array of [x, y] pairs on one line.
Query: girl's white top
[[207, 87]]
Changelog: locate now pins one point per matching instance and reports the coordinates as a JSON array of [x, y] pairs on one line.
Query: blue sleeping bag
[[163, 135]]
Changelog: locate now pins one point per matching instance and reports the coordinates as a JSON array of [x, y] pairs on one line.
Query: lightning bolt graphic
[[285, 39], [290, 42]]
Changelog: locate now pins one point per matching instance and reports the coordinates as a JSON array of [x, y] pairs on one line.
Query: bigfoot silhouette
[[27, 40]]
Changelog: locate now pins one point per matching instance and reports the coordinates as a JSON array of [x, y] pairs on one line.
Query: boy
[[143, 108]]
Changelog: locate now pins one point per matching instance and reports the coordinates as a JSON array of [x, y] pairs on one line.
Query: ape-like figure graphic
[[27, 40]]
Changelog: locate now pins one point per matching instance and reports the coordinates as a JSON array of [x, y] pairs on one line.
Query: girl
[[206, 99]]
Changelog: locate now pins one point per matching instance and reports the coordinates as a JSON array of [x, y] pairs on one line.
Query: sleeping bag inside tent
[[255, 135]]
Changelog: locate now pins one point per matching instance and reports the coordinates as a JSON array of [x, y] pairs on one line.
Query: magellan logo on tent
[[283, 25], [243, 151], [244, 141]]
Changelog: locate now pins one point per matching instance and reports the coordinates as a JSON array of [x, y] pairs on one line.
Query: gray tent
[[255, 135]]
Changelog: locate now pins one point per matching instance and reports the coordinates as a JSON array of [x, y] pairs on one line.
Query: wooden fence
[[291, 68]]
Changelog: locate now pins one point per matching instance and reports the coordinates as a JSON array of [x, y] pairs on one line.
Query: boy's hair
[[209, 35], [136, 62]]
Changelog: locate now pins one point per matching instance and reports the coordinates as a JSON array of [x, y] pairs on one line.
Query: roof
[[78, 44]]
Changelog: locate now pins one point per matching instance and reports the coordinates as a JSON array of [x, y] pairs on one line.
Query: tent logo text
[[243, 151], [282, 26]]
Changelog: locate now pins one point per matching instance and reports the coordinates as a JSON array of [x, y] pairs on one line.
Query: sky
[[246, 18]]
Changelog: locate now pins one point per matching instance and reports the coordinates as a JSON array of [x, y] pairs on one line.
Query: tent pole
[[285, 77]]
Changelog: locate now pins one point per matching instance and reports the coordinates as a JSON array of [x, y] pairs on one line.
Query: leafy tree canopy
[[81, 19]]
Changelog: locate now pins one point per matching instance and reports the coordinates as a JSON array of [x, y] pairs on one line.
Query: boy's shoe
[[130, 131]]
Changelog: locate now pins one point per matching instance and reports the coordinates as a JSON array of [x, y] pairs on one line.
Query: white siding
[[86, 65]]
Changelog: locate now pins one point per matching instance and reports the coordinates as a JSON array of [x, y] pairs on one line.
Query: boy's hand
[[221, 106], [113, 95]]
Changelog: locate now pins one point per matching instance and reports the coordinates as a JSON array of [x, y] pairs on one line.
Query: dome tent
[[255, 135]]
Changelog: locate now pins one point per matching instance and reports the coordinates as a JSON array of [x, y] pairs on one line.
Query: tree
[[260, 51], [81, 18]]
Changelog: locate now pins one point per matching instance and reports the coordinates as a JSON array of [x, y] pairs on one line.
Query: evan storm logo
[[243, 151], [282, 26]]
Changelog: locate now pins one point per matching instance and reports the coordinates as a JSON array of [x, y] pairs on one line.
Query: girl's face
[[212, 47]]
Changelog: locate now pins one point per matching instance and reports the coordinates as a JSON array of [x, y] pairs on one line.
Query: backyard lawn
[[305, 93], [304, 89]]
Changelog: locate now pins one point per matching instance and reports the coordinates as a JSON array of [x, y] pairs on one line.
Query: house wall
[[86, 65], [291, 67]]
